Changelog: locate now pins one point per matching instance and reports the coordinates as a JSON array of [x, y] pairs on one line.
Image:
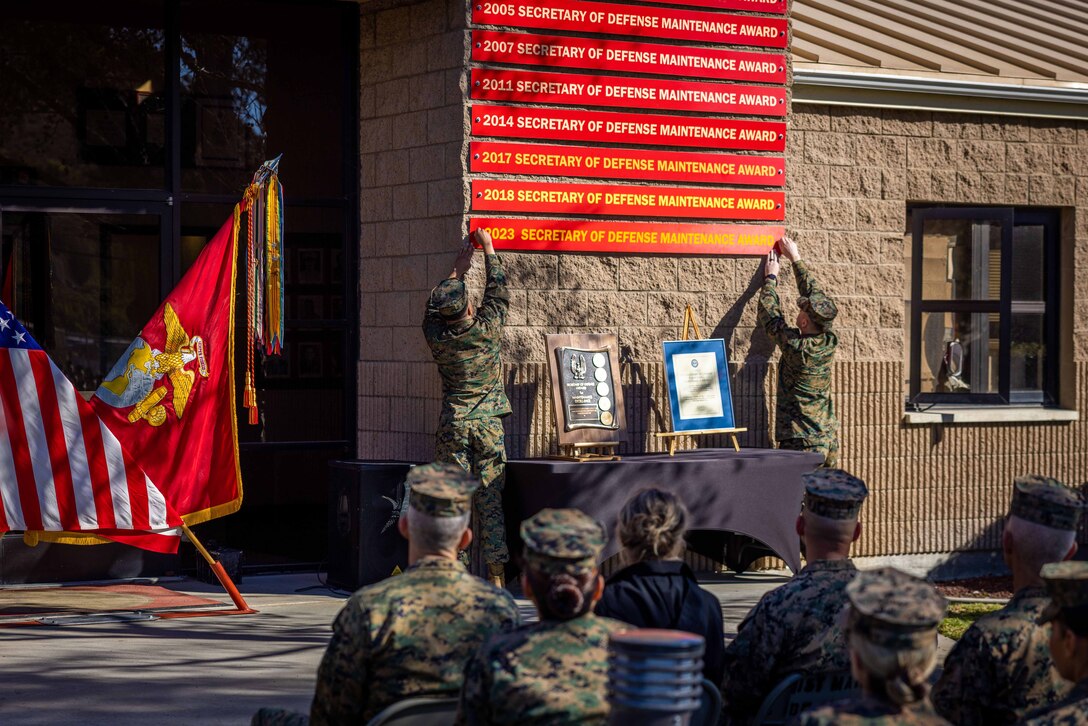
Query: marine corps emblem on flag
[[132, 380]]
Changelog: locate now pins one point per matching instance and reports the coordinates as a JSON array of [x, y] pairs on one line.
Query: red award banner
[[492, 46], [557, 124], [576, 89], [498, 157], [638, 201], [755, 6], [613, 19], [571, 235]]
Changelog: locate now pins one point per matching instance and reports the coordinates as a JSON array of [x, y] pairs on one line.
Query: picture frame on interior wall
[[277, 367], [336, 258], [309, 307], [310, 266], [311, 360], [221, 136]]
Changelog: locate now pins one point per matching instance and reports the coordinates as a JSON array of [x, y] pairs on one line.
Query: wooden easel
[[586, 451], [691, 326]]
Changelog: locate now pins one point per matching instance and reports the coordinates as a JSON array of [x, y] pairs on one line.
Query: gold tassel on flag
[[262, 205]]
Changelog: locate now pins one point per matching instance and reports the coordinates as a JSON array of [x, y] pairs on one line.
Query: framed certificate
[[698, 379]]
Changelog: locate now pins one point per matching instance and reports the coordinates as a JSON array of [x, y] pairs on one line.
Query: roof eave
[[845, 87]]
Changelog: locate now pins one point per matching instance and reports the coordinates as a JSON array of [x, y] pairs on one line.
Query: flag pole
[[220, 572]]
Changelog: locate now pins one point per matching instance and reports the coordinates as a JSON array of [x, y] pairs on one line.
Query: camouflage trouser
[[828, 447], [479, 446], [279, 717]]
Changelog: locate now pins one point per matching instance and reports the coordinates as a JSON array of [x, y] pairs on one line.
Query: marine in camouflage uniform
[[1001, 668], [795, 628], [466, 346], [804, 413], [893, 611], [408, 635], [551, 672], [1067, 586]]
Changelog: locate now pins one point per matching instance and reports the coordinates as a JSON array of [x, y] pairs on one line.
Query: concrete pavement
[[211, 670]]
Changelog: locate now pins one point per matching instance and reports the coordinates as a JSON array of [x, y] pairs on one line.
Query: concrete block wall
[[412, 140], [851, 174]]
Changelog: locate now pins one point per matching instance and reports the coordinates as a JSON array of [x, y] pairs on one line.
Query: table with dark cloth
[[755, 492]]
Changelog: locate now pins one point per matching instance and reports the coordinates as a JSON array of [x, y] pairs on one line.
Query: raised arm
[[770, 308], [433, 323], [496, 300], [806, 282]]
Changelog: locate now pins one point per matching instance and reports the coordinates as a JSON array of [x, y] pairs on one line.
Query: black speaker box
[[364, 502]]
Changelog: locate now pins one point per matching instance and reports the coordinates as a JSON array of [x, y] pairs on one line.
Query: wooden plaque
[[584, 411]]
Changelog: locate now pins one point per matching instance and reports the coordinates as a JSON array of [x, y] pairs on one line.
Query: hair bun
[[565, 598]]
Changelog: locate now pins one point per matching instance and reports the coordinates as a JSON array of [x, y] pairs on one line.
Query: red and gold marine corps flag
[[170, 398]]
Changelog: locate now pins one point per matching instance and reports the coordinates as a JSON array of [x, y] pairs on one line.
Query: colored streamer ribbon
[[262, 206]]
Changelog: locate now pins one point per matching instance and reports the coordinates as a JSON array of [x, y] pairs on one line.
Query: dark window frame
[[1010, 217], [168, 201]]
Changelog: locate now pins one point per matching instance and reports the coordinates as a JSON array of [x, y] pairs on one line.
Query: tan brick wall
[[851, 173], [412, 137]]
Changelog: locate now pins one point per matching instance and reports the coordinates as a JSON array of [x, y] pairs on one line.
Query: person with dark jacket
[[656, 589]]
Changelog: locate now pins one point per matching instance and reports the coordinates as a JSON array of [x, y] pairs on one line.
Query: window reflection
[[83, 284], [82, 99], [961, 260], [223, 86], [960, 352]]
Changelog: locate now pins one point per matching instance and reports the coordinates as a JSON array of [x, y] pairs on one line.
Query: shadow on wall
[[981, 556], [519, 425], [751, 407], [644, 410]]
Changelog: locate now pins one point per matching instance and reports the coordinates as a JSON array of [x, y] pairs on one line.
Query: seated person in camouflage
[[410, 635], [796, 628], [466, 344], [891, 624], [1067, 614], [804, 413], [1001, 668], [554, 671]]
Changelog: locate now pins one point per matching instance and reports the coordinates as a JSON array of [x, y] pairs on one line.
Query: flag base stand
[[224, 579]]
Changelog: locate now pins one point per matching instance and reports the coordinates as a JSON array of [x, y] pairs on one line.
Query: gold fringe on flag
[[262, 205]]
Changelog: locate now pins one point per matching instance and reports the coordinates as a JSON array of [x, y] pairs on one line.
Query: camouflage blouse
[[793, 629], [804, 409], [546, 673], [406, 636], [468, 353], [1070, 711], [1001, 668], [870, 711]]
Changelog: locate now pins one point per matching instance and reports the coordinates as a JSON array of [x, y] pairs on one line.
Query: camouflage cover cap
[[1046, 501], [890, 608], [834, 493], [449, 298], [440, 490], [562, 541], [1067, 585], [819, 307]]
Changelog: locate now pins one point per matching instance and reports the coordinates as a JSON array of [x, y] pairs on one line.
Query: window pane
[[301, 393], [959, 352], [81, 94], [1028, 352], [961, 259], [83, 284], [257, 80], [1028, 281]]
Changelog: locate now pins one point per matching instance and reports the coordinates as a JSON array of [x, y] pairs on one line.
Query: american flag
[[61, 469]]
